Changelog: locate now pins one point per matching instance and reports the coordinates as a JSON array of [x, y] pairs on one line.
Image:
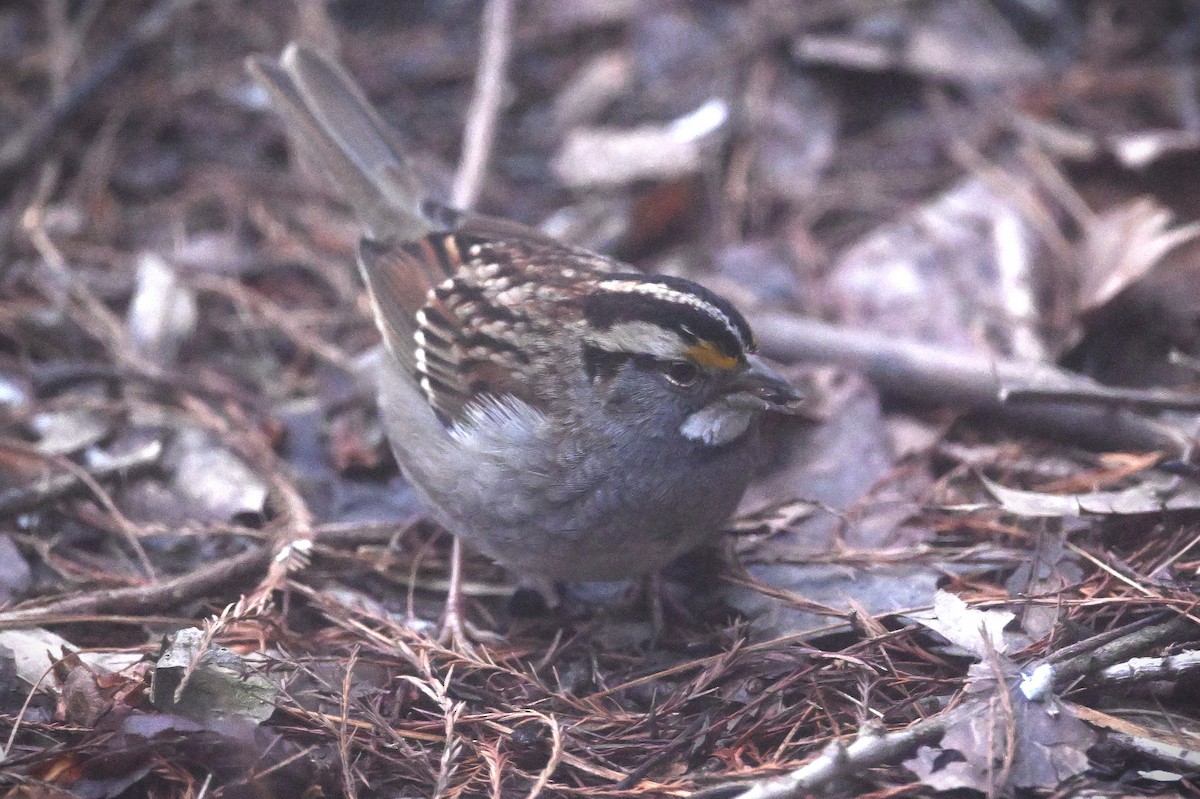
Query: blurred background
[[1008, 183]]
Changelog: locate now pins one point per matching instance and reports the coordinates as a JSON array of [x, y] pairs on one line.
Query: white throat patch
[[716, 424]]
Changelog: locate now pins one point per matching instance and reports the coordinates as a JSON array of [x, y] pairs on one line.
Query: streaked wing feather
[[398, 281], [457, 311]]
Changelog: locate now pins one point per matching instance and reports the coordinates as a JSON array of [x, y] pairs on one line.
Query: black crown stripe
[[603, 309]]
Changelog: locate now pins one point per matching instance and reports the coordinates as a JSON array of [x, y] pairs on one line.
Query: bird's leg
[[664, 605], [656, 598], [453, 631]]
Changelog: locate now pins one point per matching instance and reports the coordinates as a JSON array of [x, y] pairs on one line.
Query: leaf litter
[[974, 567]]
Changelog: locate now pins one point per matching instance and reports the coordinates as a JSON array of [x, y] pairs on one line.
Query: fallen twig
[[1146, 669], [1150, 399], [870, 748], [127, 530], [485, 107], [72, 481], [151, 598], [1119, 650], [837, 760], [925, 374], [17, 152]]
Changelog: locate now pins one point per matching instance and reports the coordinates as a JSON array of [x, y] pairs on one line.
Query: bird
[[565, 414]]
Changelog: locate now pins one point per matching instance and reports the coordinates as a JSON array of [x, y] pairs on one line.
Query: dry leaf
[[971, 630]]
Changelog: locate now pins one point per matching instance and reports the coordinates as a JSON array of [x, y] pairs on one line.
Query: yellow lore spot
[[706, 354]]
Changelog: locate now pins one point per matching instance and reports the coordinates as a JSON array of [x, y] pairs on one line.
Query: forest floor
[[969, 229]]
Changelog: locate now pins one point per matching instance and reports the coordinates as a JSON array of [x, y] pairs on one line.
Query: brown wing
[[459, 312], [458, 297]]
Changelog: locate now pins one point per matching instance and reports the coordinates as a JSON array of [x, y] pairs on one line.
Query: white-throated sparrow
[[570, 417]]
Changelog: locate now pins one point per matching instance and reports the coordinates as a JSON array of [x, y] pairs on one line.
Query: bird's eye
[[681, 373]]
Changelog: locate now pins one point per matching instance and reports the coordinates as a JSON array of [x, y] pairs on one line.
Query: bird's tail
[[332, 124]]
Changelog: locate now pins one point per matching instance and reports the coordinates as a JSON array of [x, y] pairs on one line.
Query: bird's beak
[[761, 388]]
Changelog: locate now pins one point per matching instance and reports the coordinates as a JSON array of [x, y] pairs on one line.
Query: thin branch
[[146, 598], [871, 749], [1121, 650], [127, 529], [1138, 670], [72, 480], [867, 750], [485, 104], [556, 752], [20, 150], [343, 732], [926, 374], [1154, 399]]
